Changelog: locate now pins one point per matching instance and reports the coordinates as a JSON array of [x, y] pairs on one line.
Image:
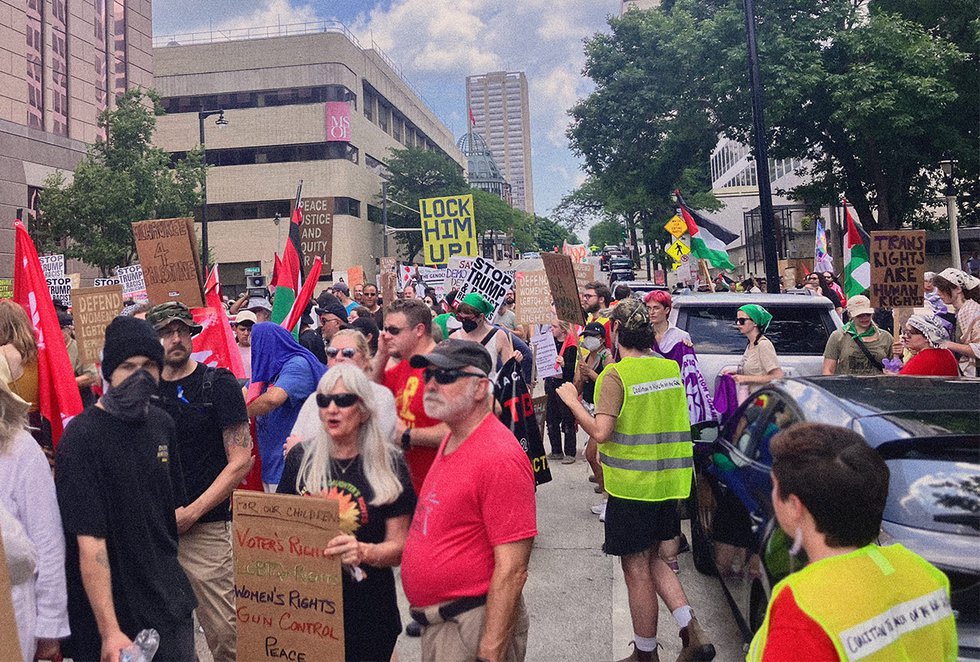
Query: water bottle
[[143, 649]]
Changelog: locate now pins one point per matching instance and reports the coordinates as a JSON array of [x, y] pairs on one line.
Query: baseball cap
[[454, 353], [331, 304], [246, 316], [163, 314], [859, 305], [64, 319], [594, 329], [341, 286]]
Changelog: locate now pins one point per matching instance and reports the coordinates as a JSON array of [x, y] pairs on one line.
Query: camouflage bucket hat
[[172, 311]]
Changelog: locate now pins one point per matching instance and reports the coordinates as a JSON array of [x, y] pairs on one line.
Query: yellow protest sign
[[448, 228], [677, 249], [676, 226]]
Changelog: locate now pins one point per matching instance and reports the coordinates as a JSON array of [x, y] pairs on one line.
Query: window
[[35, 96], [374, 214], [794, 330], [347, 206], [261, 99], [119, 33], [325, 151], [244, 211]]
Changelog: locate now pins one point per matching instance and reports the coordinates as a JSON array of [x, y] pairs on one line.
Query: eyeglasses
[[370, 294], [590, 296], [444, 377], [740, 321], [813, 278], [909, 331], [327, 320], [347, 352], [342, 400], [392, 330]]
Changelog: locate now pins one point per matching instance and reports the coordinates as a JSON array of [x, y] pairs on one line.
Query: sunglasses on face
[[370, 294], [327, 320], [392, 330], [444, 377], [347, 352], [740, 321], [342, 400]]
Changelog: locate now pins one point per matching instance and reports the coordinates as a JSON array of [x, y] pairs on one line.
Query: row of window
[[325, 151], [264, 209], [289, 96]]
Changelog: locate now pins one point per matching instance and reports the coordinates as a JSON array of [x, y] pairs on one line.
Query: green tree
[[414, 174], [865, 92], [121, 180], [606, 232]]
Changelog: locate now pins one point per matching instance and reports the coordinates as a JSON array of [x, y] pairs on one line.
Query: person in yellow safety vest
[[644, 434], [855, 600]]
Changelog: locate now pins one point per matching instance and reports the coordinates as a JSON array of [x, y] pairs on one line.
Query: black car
[[928, 431], [621, 268]]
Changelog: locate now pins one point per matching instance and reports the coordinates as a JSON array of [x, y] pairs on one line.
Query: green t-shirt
[[851, 360]]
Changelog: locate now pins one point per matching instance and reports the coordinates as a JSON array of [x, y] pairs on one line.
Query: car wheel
[[702, 549], [758, 604]]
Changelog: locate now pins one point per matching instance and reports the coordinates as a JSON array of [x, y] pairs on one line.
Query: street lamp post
[[221, 121], [770, 258], [951, 212]]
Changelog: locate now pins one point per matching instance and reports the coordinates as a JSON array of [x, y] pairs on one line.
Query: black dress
[[371, 620]]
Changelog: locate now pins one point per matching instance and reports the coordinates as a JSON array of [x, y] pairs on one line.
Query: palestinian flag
[[857, 268], [289, 280], [708, 240]]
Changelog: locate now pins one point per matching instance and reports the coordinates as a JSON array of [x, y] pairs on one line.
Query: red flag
[[472, 119], [58, 397], [305, 296], [806, 272], [276, 268]]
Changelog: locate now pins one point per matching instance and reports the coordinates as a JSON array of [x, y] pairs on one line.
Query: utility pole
[[384, 216], [770, 258]]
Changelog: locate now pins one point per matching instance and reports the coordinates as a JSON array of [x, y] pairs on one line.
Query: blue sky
[[437, 43]]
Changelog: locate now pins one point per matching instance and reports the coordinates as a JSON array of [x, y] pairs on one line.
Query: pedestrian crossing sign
[[677, 249]]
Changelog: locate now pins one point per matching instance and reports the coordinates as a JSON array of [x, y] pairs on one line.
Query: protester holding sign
[[472, 313], [962, 291], [352, 460], [816, 468]]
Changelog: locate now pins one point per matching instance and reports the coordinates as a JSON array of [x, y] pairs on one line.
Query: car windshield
[[793, 330]]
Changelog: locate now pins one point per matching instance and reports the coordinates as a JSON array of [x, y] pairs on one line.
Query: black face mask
[[469, 326], [130, 400]]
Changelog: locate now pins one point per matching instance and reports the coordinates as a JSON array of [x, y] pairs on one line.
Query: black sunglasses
[[347, 352], [342, 400], [392, 330], [444, 377], [741, 320]]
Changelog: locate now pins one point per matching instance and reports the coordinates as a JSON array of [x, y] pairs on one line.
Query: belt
[[448, 611]]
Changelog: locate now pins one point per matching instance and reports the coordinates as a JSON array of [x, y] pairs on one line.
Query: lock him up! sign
[[448, 228]]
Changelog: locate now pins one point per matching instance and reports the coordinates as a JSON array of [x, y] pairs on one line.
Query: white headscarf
[[960, 278]]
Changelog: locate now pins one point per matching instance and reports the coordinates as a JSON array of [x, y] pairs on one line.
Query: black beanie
[[126, 337]]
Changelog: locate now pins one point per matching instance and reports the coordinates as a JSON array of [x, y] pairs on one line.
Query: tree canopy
[[121, 180], [873, 95]]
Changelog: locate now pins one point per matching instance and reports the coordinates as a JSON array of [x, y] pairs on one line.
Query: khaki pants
[[459, 640], [205, 555]]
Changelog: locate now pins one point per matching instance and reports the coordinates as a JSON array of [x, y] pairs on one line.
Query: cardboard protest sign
[[8, 624], [489, 281], [93, 308], [898, 259], [456, 271], [167, 251], [60, 288], [584, 273], [564, 291], [316, 233], [448, 228], [105, 282], [545, 352], [53, 266], [532, 298], [355, 276], [131, 279], [289, 596]]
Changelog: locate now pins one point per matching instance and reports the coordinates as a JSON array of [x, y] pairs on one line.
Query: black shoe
[[684, 546], [413, 629]]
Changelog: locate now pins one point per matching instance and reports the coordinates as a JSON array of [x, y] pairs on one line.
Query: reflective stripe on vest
[[649, 456], [900, 612]]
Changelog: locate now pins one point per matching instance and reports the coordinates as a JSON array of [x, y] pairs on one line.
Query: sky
[[437, 43]]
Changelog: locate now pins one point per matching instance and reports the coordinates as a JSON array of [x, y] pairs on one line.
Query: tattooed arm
[[238, 451], [93, 559]]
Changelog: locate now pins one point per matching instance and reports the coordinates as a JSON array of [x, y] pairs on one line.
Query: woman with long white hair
[[350, 459]]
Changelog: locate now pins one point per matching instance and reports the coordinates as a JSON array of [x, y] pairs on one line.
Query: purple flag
[[699, 404]]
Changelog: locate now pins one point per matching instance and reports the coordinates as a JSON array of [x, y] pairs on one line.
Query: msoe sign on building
[[448, 228]]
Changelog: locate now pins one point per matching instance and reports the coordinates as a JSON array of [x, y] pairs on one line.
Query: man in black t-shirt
[[118, 484], [215, 450]]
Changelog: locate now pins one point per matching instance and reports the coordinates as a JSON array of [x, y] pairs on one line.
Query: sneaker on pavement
[[593, 479], [568, 459], [599, 508], [556, 456], [641, 656], [697, 645]]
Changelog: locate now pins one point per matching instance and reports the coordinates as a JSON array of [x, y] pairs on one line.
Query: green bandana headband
[[757, 314]]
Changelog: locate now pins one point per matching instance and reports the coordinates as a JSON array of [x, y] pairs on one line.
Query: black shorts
[[636, 526]]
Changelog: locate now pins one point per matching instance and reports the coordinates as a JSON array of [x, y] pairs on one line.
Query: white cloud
[[274, 13]]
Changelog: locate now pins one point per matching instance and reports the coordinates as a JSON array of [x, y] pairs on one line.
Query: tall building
[[61, 64], [302, 102], [499, 104]]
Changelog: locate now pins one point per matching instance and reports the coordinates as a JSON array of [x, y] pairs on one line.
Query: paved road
[[575, 594]]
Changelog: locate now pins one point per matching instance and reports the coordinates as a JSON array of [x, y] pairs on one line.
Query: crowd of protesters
[[395, 405]]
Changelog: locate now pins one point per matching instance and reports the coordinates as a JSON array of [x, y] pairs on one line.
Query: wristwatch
[[407, 439]]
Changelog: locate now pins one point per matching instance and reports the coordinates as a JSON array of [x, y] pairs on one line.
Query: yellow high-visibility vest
[[876, 603], [650, 456]]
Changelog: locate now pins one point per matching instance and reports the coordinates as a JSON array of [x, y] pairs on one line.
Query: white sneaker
[[600, 510]]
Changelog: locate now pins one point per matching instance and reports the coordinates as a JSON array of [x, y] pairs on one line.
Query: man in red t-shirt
[[466, 557], [407, 332]]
